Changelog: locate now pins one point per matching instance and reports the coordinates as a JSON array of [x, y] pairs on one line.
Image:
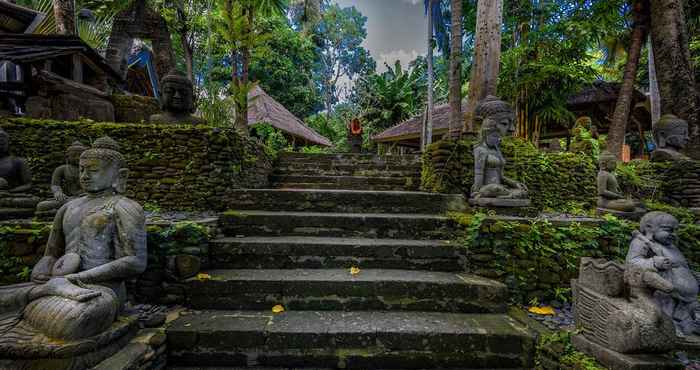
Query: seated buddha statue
[[97, 242], [490, 183], [610, 198], [65, 184], [176, 101], [15, 182], [671, 136]]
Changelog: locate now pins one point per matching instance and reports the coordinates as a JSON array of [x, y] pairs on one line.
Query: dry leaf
[[203, 276], [278, 309], [354, 270], [545, 310]]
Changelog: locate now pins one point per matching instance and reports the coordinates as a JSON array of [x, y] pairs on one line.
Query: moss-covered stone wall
[[172, 167]]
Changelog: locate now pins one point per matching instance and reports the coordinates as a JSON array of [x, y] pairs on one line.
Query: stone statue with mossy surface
[[177, 101], [648, 306], [671, 136], [491, 187], [15, 184], [65, 183], [68, 316], [610, 198]]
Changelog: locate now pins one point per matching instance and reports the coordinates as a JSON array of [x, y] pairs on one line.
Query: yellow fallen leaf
[[203, 276], [545, 310], [354, 270], [278, 309]]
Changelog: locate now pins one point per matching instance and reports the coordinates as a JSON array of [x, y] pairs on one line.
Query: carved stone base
[[503, 206], [635, 215], [23, 348], [618, 361]]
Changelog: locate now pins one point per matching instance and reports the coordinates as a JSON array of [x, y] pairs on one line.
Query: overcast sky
[[395, 29]]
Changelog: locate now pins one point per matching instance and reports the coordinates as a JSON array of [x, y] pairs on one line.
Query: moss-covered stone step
[[334, 186], [366, 169], [290, 252], [353, 201], [347, 158], [350, 340], [355, 225], [350, 182], [338, 289]]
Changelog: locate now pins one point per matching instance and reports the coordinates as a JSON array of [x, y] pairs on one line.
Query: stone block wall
[[172, 167], [134, 108]]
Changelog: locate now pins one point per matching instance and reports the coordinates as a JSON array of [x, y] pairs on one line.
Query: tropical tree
[[487, 54], [618, 126], [237, 25], [456, 69], [64, 12], [674, 69]]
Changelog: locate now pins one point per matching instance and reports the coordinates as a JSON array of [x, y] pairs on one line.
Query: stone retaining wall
[[178, 167]]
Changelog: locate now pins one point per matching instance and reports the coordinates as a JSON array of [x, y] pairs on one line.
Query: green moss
[[557, 347]]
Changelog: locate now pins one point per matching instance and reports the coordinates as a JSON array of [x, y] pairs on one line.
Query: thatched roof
[[600, 92], [411, 128], [263, 108]]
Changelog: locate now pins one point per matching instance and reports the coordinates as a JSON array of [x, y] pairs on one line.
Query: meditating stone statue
[[15, 183], [671, 136], [610, 199], [653, 249], [65, 182], [177, 100], [491, 187], [77, 289]]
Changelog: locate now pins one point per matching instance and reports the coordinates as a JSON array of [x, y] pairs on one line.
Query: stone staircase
[[409, 307]]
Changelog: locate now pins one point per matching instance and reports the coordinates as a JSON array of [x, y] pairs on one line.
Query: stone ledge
[[620, 361]]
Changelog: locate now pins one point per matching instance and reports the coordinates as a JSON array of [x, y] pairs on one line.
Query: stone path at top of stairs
[[409, 307]]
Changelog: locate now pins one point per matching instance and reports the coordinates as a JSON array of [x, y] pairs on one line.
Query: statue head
[[491, 134], [177, 95], [494, 112], [73, 153], [102, 167], [4, 142], [659, 226], [607, 161], [671, 132]]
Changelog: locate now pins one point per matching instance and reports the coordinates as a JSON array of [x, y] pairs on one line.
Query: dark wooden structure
[[18, 19]]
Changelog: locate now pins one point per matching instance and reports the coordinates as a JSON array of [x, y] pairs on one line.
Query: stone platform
[[620, 361], [635, 215]]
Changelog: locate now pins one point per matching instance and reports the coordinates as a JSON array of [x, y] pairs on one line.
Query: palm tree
[[618, 126], [455, 97], [239, 19], [487, 55]]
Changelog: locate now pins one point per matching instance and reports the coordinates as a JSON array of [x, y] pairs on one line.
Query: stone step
[[289, 252], [349, 182], [342, 201], [347, 158], [354, 225], [338, 289], [346, 171], [333, 186], [350, 340]]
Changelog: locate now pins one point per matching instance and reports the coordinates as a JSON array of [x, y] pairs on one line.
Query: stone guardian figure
[[77, 288], [610, 198], [491, 187], [671, 136], [177, 100], [15, 183], [65, 182]]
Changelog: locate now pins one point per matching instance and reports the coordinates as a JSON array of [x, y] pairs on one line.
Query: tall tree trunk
[[455, 98], [487, 55], [428, 138], [618, 126], [312, 14], [64, 12], [183, 31], [669, 36], [654, 95]]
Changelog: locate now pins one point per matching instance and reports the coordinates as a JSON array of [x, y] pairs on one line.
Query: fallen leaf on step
[[545, 310], [278, 309], [354, 270], [202, 276]]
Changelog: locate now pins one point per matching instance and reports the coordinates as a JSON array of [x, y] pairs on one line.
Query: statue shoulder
[[129, 208], [156, 118]]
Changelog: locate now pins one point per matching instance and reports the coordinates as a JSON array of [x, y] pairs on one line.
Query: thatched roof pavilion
[[262, 108]]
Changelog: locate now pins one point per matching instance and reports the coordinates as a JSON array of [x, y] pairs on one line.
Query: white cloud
[[414, 2], [391, 57]]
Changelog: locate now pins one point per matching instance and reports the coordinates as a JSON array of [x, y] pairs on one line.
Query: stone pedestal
[[503, 206], [619, 361], [635, 215], [24, 348]]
